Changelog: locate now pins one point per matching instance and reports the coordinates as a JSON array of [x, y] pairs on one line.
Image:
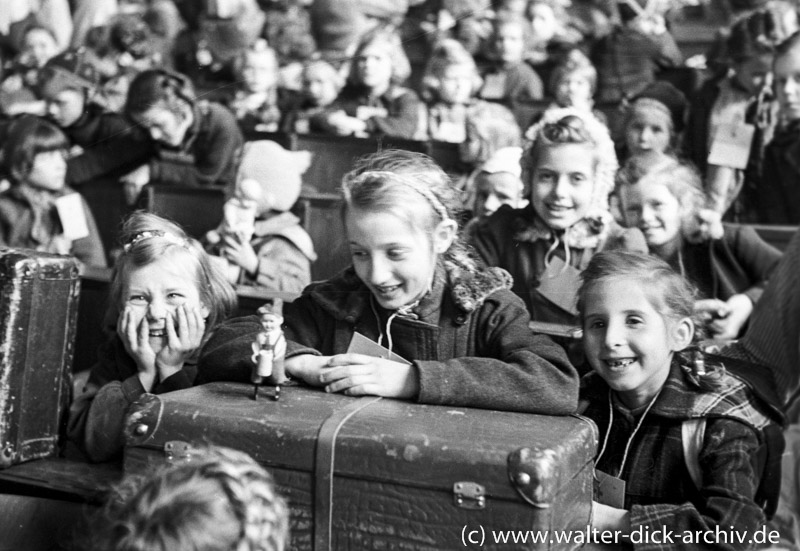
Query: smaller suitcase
[[38, 312], [377, 474]]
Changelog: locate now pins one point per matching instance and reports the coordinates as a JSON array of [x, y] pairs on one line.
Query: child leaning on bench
[[165, 298], [413, 290]]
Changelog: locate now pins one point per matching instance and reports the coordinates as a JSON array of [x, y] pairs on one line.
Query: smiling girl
[[413, 290], [648, 395], [729, 264], [569, 169], [165, 298]]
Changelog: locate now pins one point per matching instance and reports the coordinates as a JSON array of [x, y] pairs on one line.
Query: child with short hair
[[321, 84], [34, 159], [489, 128], [511, 81], [568, 168], [165, 299], [374, 102], [108, 144], [221, 499], [456, 334], [255, 102], [573, 84], [259, 241], [196, 140], [654, 121], [729, 264], [683, 442], [449, 83]]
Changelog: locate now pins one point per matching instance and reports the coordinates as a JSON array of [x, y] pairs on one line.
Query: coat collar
[[345, 297]]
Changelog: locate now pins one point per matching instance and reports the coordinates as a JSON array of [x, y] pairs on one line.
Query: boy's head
[[321, 83], [271, 175], [451, 75], [787, 77], [34, 154], [509, 39], [499, 182], [38, 46], [257, 67], [67, 82]]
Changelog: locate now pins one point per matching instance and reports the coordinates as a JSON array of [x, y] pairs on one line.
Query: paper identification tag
[[731, 145], [559, 284], [73, 218], [609, 490], [360, 344], [494, 86]]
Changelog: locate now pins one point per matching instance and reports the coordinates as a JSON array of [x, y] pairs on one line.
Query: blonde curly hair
[[219, 500]]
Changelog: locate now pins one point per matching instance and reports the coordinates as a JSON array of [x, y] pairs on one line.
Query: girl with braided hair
[[221, 500], [461, 335]]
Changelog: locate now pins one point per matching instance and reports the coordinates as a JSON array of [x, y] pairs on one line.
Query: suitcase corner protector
[[143, 419], [534, 474]]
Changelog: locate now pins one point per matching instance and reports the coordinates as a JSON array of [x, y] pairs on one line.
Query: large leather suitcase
[[38, 310], [370, 473]]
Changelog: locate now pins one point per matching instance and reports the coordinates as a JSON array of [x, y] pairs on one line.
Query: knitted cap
[[336, 24], [70, 70], [672, 99], [278, 171], [504, 160]]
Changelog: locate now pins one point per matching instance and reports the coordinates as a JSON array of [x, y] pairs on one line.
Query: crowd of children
[[579, 261]]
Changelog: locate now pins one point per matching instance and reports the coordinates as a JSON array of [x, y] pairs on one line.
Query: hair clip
[[149, 234]]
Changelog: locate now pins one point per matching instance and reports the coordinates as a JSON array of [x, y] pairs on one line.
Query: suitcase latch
[[177, 452], [469, 495]]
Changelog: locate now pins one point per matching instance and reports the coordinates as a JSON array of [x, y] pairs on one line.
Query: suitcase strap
[[323, 470]]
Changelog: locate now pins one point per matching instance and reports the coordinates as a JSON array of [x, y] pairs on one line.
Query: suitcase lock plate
[[177, 452], [469, 495]]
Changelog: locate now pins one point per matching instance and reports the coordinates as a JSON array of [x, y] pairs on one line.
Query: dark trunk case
[[38, 311], [405, 476]]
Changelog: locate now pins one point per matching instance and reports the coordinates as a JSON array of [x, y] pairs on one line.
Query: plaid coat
[[660, 493]]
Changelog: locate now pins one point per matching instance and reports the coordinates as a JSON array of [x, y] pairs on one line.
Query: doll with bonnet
[[259, 241]]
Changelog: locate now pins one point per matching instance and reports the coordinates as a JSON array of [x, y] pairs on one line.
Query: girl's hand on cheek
[[181, 342], [357, 375], [135, 335]]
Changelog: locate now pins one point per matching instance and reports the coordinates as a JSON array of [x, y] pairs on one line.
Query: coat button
[[461, 319]]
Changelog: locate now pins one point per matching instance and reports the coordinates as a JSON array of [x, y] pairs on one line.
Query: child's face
[[394, 259], [574, 90], [651, 207], [456, 84], [65, 107], [39, 46], [374, 67], [787, 84], [562, 184], [48, 171], [164, 125], [271, 322], [543, 22], [159, 289], [509, 43], [627, 341], [494, 190], [649, 129], [752, 74], [320, 87], [259, 73]]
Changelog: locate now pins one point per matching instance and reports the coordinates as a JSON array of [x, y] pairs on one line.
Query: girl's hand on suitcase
[[357, 374], [181, 341], [306, 367]]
